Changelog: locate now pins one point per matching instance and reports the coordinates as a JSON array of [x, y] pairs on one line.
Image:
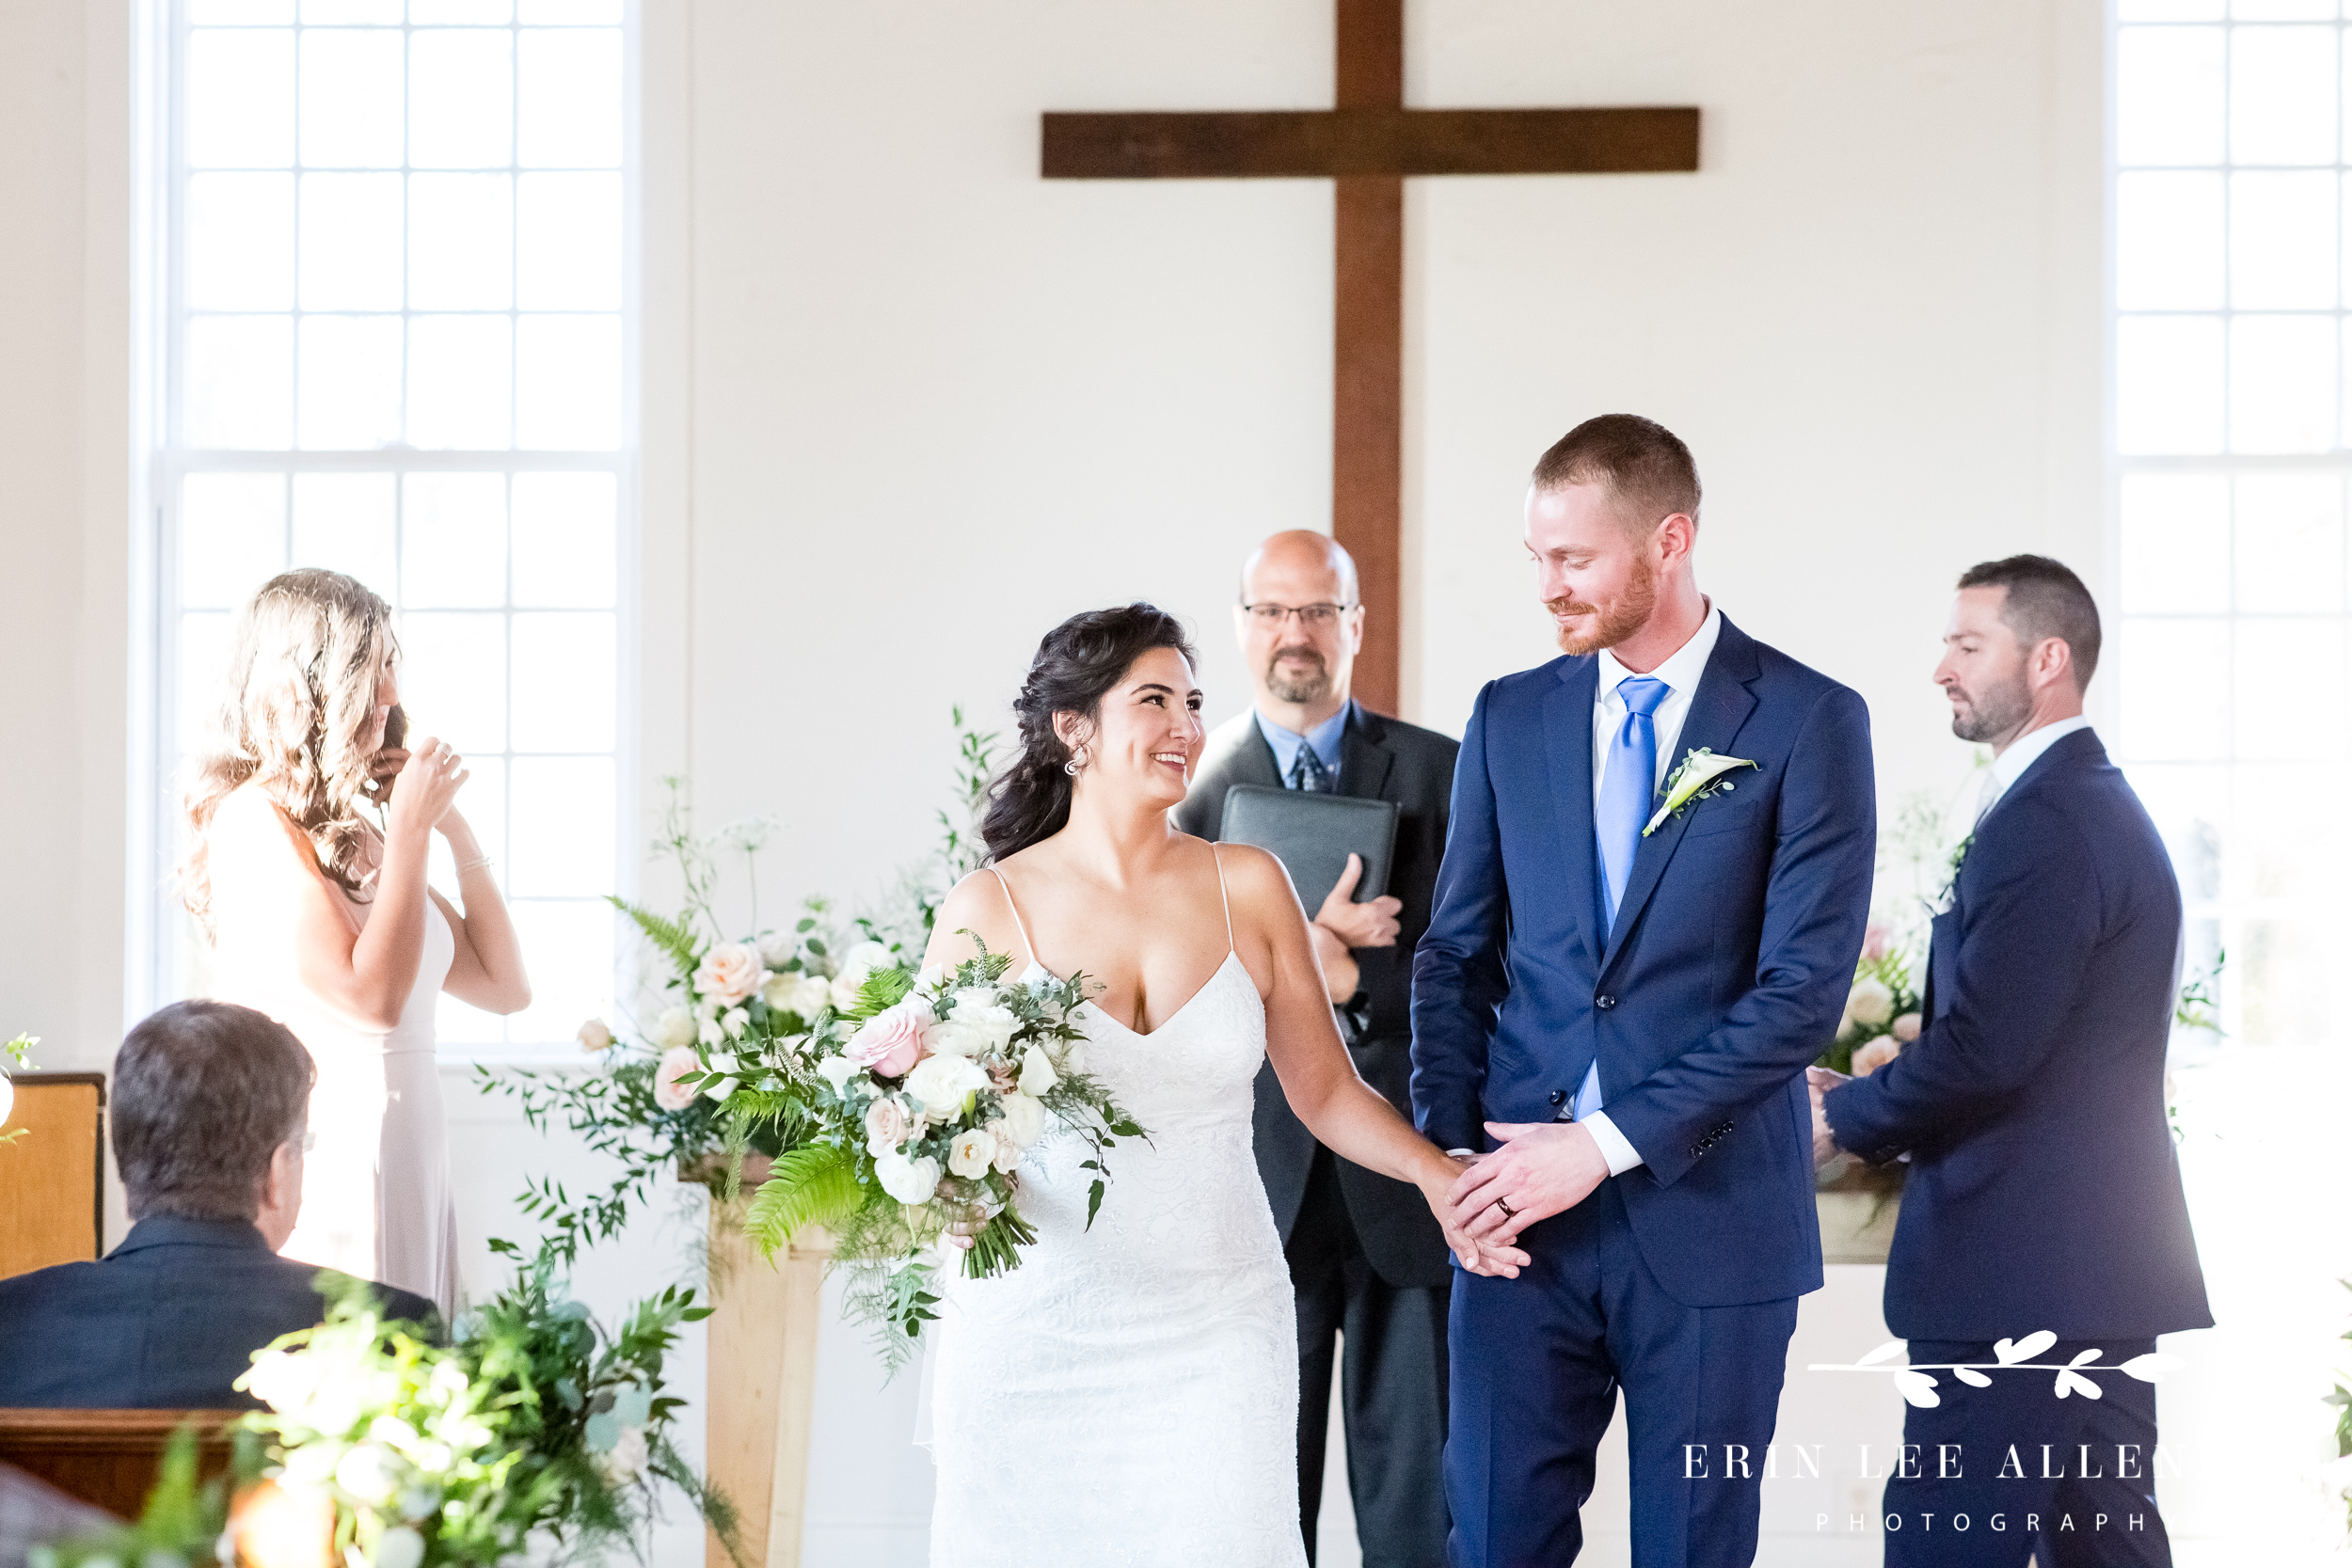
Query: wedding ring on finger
[[1504, 1204]]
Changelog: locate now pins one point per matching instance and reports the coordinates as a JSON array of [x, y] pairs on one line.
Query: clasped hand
[[1819, 1081]]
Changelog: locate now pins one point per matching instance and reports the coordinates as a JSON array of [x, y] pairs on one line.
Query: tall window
[[2230, 289], [397, 348]]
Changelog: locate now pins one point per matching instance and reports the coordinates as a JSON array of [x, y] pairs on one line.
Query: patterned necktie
[[1628, 781], [1308, 772]]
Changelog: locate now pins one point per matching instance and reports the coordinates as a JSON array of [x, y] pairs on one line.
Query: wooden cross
[[1367, 144]]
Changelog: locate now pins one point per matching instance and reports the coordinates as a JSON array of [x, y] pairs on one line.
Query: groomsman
[[2042, 1195], [1368, 1262]]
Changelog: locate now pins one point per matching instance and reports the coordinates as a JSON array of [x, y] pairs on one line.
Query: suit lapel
[[1568, 754], [1364, 757], [1252, 758], [1718, 708]]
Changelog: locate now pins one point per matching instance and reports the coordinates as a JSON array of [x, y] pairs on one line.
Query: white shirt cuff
[[1621, 1155], [1461, 1154]]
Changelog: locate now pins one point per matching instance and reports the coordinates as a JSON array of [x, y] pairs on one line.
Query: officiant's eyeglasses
[[1320, 616]]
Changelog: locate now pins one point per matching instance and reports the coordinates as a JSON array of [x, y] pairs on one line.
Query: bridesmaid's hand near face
[[430, 777]]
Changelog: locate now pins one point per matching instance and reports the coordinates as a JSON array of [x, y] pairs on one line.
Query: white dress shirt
[[2022, 753]]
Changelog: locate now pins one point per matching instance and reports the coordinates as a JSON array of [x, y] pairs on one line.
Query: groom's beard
[[1996, 711], [1294, 685], [1615, 624]]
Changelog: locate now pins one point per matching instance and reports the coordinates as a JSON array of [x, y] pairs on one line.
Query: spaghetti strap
[[1221, 897], [1024, 930]]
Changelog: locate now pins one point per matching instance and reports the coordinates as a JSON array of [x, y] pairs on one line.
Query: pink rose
[[1870, 1055], [1906, 1028], [677, 1062], [885, 1127], [1878, 940], [888, 1044], [729, 973]]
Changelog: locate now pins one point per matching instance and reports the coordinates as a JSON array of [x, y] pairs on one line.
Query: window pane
[[239, 13], [2288, 980], [567, 383], [563, 832], [456, 1023], [465, 13], [568, 236], [461, 105], [240, 99], [2283, 10], [2176, 688], [233, 537], [344, 522], [2188, 805], [2289, 690], [351, 242], [2168, 95], [458, 389], [570, 107], [239, 382], [461, 254], [2290, 542], [2168, 11], [240, 241], [2282, 241], [2282, 95], [2285, 855], [2176, 543], [568, 947], [574, 13], [453, 540], [2282, 383], [351, 93], [565, 662], [452, 677], [2168, 242], [563, 540], [2168, 381], [350, 382], [203, 660], [331, 13]]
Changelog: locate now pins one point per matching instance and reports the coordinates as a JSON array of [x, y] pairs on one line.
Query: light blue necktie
[[1628, 781]]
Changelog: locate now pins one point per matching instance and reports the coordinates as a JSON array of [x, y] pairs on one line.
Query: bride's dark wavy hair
[[1075, 667]]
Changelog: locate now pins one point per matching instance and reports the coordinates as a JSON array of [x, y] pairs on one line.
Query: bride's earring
[[1077, 760]]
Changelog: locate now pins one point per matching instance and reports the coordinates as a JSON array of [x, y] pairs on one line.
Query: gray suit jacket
[[1380, 759]]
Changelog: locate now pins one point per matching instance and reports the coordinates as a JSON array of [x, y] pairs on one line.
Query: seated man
[[211, 1102]]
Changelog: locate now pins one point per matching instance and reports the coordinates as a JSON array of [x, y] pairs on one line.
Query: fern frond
[[673, 937], [816, 1184]]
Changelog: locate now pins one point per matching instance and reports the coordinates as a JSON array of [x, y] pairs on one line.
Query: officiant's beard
[[1292, 686], [1611, 626], [1996, 711]]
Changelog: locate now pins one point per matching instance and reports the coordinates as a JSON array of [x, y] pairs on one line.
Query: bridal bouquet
[[905, 1113]]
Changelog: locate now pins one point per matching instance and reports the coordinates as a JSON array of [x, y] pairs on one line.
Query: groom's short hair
[[204, 1092], [1645, 466], [2044, 599]]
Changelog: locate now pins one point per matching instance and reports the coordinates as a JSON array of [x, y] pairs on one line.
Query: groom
[[1616, 1000]]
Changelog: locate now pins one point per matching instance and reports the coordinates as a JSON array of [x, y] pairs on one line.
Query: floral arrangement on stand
[[905, 1117], [19, 1050], [535, 1430]]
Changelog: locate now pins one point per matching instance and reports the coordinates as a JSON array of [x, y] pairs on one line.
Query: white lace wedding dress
[[1129, 1395]]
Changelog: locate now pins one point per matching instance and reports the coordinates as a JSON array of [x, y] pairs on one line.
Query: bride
[[1129, 1394]]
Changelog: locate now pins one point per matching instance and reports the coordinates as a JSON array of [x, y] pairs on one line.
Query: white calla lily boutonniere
[[1700, 775]]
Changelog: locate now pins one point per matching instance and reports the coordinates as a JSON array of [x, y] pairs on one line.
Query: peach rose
[[677, 1062], [730, 972], [1870, 1055], [1878, 940], [885, 1127], [887, 1044], [1907, 1028]]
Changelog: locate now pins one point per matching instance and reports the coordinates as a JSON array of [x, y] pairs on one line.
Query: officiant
[[1367, 1261]]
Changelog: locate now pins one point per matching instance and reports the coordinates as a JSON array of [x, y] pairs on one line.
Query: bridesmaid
[[325, 923]]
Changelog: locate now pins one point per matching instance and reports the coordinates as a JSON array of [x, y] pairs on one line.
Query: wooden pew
[[53, 1195], [109, 1458]]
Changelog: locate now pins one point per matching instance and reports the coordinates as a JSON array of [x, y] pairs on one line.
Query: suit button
[[1604, 1002], [1559, 1096]]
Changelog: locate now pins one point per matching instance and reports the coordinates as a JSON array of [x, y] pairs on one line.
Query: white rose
[[398, 1547], [954, 1037], [776, 990], [838, 1070], [843, 992], [369, 1473], [729, 973], [735, 1021], [722, 1062], [674, 1028], [908, 1180], [1008, 1151], [945, 1084], [1037, 1076], [1024, 1119], [594, 1035], [777, 947], [1870, 1004], [810, 996], [281, 1380], [971, 1152], [866, 957], [977, 1007]]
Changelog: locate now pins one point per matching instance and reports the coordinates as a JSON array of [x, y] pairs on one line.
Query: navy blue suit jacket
[[2043, 1192], [167, 1321], [1725, 974]]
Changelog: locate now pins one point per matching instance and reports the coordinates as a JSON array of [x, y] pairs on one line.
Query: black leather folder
[[1312, 835]]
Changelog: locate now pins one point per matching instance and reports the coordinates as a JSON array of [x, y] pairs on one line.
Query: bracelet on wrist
[[474, 864]]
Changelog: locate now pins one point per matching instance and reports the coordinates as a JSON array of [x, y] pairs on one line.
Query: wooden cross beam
[[1368, 143]]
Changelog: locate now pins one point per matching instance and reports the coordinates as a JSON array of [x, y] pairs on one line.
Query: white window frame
[[152, 967]]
